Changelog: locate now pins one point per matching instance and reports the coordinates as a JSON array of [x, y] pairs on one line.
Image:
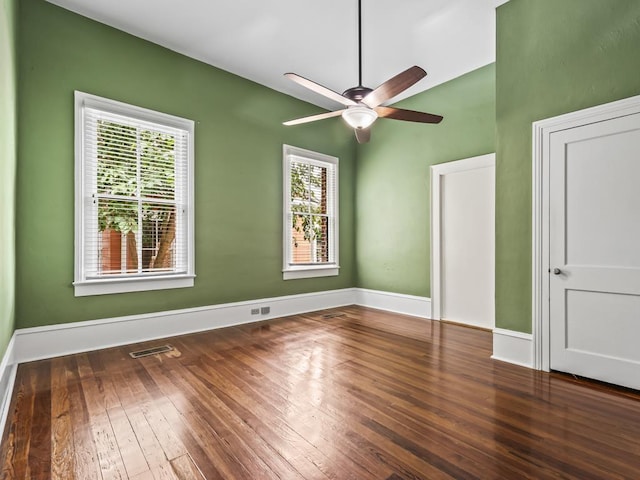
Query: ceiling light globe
[[359, 116]]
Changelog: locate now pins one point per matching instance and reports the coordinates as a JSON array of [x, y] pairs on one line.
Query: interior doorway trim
[[542, 131], [437, 172]]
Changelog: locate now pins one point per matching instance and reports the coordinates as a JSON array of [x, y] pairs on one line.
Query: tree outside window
[[135, 198], [309, 219]]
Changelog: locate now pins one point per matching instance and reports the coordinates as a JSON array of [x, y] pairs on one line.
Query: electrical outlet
[[255, 311], [265, 310]]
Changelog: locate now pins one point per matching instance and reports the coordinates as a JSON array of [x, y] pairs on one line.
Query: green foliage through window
[[135, 188], [309, 207]]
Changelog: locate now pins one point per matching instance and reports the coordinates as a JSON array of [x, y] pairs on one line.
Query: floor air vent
[[332, 315], [151, 351]]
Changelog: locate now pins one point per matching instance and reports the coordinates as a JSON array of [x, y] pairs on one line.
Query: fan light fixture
[[359, 117]]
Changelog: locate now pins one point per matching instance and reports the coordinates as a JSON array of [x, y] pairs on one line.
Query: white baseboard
[[394, 302], [513, 347], [8, 369], [50, 341], [63, 339]]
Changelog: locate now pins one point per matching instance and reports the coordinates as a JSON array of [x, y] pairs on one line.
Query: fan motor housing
[[357, 93]]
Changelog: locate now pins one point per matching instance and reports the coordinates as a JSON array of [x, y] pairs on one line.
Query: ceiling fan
[[363, 104]]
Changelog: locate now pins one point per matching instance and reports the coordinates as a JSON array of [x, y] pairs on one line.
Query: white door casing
[[463, 241], [584, 317]]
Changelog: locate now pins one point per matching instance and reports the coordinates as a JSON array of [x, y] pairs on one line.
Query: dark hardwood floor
[[349, 393]]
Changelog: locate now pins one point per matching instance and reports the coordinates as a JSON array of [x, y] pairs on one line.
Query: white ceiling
[[262, 39]]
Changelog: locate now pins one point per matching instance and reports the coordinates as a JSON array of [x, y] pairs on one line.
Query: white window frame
[[84, 286], [291, 271]]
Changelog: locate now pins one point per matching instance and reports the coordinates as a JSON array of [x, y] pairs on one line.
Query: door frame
[[437, 172], [542, 131]]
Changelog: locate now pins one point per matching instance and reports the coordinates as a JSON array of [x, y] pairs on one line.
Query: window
[[134, 198], [310, 214]]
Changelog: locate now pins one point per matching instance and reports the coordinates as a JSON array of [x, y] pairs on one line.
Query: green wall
[[392, 180], [238, 167], [553, 57], [7, 169]]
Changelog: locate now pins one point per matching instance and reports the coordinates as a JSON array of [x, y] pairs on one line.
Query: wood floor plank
[[164, 432], [106, 446], [165, 472], [40, 436], [197, 449], [138, 429], [109, 457], [85, 457], [18, 431], [149, 444], [61, 429], [346, 393], [185, 468], [103, 380], [140, 400], [148, 475], [132, 456]]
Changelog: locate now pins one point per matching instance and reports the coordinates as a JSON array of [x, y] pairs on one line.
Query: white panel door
[[467, 197], [594, 251]]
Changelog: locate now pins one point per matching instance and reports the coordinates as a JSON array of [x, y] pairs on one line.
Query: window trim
[[293, 272], [102, 286]]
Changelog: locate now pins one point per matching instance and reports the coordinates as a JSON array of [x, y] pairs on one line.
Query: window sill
[[294, 273], [124, 285]]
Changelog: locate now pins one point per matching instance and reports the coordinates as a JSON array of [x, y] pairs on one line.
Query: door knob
[[557, 271]]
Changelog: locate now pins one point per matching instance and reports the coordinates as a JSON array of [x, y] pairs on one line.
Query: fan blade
[[394, 86], [313, 118], [407, 115], [324, 91], [363, 135]]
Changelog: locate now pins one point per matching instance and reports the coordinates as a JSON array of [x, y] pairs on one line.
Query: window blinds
[[135, 181], [311, 212]]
